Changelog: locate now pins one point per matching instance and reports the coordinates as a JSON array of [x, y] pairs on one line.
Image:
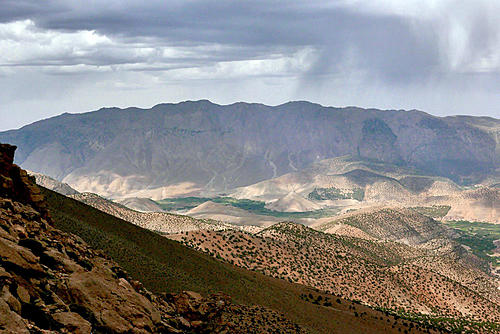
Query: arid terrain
[[388, 212], [438, 280], [53, 282], [260, 167], [402, 259]]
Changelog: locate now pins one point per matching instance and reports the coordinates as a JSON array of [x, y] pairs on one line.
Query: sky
[[439, 56]]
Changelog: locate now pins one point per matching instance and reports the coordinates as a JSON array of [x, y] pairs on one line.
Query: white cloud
[[23, 44]]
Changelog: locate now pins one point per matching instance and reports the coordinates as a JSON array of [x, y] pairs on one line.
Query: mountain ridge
[[201, 147]]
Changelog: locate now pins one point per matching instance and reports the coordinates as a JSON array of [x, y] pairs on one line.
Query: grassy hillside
[[163, 265]]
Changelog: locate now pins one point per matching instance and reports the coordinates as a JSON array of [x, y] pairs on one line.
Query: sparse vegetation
[[448, 324], [332, 193], [165, 265], [434, 211], [384, 274]]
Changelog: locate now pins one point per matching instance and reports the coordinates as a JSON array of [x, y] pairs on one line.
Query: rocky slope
[[162, 264], [395, 224], [53, 282], [384, 274], [193, 147]]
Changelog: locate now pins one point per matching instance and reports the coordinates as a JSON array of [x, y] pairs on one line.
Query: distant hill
[[141, 204], [198, 147], [349, 183]]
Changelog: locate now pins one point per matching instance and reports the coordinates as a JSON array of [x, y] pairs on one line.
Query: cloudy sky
[[440, 56]]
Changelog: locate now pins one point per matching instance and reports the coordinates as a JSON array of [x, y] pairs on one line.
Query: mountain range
[[200, 148]]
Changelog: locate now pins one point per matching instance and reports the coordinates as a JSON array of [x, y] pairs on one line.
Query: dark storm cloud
[[21, 9], [385, 44]]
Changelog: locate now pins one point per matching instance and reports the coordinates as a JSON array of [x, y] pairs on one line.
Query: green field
[[332, 193], [256, 207], [479, 237], [181, 203]]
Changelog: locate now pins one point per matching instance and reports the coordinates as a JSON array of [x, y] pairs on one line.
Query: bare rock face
[[15, 182], [53, 282]]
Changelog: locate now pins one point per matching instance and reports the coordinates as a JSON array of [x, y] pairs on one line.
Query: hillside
[[53, 184], [410, 227], [395, 224], [54, 282], [339, 181], [383, 274], [197, 148], [164, 265]]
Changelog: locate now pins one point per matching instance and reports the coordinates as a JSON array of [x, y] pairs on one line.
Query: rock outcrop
[[53, 282]]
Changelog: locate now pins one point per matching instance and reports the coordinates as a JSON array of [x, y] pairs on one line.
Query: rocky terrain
[[53, 282], [431, 256], [395, 224], [165, 265], [379, 273], [412, 228], [194, 148]]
